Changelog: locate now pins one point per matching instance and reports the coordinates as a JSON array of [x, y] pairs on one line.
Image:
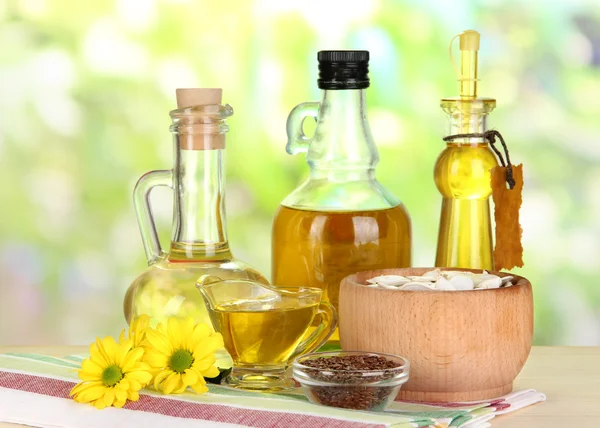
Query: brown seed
[[358, 371]]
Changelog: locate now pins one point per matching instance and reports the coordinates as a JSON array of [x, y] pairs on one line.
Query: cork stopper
[[189, 97], [198, 140]]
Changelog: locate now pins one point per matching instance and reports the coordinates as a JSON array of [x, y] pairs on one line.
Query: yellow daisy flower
[[181, 354], [137, 330], [113, 374]]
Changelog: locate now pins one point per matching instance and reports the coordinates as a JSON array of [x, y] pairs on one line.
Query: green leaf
[[329, 347]]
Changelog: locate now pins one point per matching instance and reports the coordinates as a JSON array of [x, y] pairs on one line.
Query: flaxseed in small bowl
[[351, 380]]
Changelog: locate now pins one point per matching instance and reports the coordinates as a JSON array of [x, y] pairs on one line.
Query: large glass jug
[[341, 220], [199, 244]]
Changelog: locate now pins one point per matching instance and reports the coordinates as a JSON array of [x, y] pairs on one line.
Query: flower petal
[[198, 372], [174, 329], [109, 396], [119, 404], [108, 348], [132, 357], [120, 394], [172, 382], [133, 395], [97, 356], [181, 389], [162, 328], [85, 376], [137, 330], [91, 367], [201, 331], [141, 376], [123, 384], [208, 346], [189, 377], [205, 363], [92, 393], [156, 359], [82, 386], [121, 351], [200, 386], [212, 371], [160, 378], [99, 404], [134, 385], [142, 366], [159, 342], [186, 330]]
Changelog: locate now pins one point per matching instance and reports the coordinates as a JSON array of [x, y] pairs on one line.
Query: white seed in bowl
[[433, 274], [478, 279], [450, 273], [417, 286], [490, 283], [421, 278], [443, 284], [389, 280], [462, 282], [442, 281]]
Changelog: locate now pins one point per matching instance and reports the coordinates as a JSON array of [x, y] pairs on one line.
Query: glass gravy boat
[[264, 327]]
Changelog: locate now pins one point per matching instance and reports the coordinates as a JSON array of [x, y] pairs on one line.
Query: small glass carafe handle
[[298, 142], [143, 211], [321, 333]]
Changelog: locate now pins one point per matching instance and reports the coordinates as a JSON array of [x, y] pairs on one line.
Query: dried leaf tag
[[508, 252]]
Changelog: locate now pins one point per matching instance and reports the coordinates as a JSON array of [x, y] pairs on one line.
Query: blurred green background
[[86, 87]]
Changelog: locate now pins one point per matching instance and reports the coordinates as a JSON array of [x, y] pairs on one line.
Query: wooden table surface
[[569, 376]]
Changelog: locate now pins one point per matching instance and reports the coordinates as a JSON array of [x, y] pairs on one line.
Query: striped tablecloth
[[34, 390]]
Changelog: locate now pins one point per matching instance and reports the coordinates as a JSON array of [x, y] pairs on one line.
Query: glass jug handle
[[298, 142], [321, 333], [141, 202]]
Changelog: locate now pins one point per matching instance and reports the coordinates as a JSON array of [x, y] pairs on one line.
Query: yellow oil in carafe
[[167, 288], [320, 248], [462, 175]]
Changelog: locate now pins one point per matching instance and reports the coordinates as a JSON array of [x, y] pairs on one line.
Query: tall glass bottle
[[341, 220], [199, 244], [462, 172]]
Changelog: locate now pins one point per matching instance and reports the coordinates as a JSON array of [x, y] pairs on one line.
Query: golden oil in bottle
[[462, 171], [462, 175], [320, 248]]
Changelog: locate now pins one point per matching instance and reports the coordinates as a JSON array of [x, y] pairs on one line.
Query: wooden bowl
[[462, 345]]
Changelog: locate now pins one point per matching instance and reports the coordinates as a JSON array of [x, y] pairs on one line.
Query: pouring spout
[[204, 285]]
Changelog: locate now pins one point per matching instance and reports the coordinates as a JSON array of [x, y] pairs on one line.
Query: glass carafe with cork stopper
[[462, 171], [341, 220], [199, 244]]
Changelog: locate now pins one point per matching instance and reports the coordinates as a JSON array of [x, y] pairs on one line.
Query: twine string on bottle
[[490, 136]]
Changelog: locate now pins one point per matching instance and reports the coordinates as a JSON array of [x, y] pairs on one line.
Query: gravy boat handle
[[323, 331]]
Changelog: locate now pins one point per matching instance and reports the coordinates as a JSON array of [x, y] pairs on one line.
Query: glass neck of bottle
[[467, 123], [199, 225], [342, 147]]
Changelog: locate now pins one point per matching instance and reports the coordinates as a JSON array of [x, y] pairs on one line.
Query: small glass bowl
[[351, 389]]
